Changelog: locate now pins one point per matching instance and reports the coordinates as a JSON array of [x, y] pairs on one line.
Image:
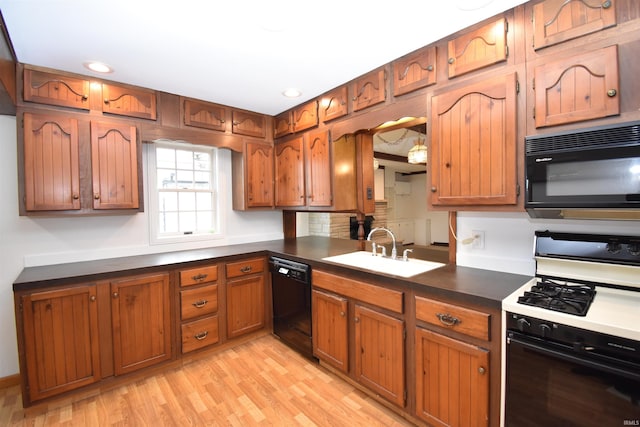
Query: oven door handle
[[559, 352]]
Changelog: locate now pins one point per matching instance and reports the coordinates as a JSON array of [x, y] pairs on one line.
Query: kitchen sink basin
[[396, 267]]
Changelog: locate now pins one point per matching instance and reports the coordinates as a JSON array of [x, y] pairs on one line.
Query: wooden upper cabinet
[[473, 144], [289, 172], [305, 116], [249, 124], [60, 340], [334, 104], [369, 90], [114, 163], [477, 49], [319, 169], [140, 316], [556, 21], [282, 124], [259, 164], [205, 115], [56, 89], [581, 87], [128, 101], [452, 381], [414, 71], [51, 163]]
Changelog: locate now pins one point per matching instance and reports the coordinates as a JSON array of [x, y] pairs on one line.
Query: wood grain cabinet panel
[[289, 173], [56, 89], [127, 101], [452, 381], [305, 116], [473, 144], [556, 21], [319, 169], [249, 124], [379, 353], [282, 124], [198, 302], [578, 88], [140, 313], [205, 115], [369, 90], [199, 333], [334, 104], [61, 343], [114, 162], [51, 163], [414, 71], [245, 305], [477, 49], [330, 329], [453, 317]]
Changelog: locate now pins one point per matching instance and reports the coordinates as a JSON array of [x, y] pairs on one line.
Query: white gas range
[[571, 336]]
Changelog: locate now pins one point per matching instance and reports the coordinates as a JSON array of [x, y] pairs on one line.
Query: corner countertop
[[472, 285]]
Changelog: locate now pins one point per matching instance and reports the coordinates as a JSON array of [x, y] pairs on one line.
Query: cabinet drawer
[[198, 302], [242, 268], [196, 276], [199, 333], [459, 319]]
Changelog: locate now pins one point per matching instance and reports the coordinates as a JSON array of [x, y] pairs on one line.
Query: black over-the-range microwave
[[588, 173]]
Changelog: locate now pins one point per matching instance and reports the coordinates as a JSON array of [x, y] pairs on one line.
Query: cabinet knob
[[96, 196], [451, 60], [85, 97], [481, 370], [106, 101], [429, 67], [92, 298], [342, 313], [611, 93], [447, 165], [76, 197], [434, 189], [357, 319], [606, 4], [116, 295]]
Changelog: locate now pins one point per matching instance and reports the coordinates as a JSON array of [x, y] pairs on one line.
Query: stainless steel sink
[[397, 267]]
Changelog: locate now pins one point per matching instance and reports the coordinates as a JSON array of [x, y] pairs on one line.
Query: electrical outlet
[[478, 239]]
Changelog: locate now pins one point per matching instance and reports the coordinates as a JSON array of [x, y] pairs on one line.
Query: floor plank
[[258, 383]]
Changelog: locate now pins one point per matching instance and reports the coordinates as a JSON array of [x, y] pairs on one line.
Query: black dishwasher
[[291, 283]]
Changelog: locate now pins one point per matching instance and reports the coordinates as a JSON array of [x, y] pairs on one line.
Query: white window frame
[[154, 213]]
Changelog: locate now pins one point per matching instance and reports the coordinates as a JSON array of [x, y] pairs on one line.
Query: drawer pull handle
[[201, 335], [200, 304], [447, 319], [199, 277], [246, 269]]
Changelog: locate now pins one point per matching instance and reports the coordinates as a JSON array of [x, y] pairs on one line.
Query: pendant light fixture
[[418, 153]]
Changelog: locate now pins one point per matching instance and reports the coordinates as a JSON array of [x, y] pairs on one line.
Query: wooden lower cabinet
[[245, 296], [330, 329], [379, 353], [61, 344], [140, 312], [452, 381]]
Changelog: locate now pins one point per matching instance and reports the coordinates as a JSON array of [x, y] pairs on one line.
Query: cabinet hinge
[[506, 51], [517, 86], [517, 190], [533, 83], [506, 26], [404, 395], [404, 334], [534, 112]]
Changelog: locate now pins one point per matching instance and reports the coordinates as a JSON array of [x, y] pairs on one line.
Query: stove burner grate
[[561, 297]]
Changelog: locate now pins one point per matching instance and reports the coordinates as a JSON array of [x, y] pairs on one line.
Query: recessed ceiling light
[[292, 93], [98, 67]]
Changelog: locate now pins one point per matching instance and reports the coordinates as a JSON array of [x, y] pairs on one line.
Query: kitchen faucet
[[394, 252]]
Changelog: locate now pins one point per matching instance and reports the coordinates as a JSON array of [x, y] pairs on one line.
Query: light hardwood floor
[[258, 383]]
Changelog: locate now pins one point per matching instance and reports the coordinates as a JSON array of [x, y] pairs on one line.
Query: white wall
[[26, 241]]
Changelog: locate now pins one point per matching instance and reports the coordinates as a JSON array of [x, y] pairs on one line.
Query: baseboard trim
[[10, 381]]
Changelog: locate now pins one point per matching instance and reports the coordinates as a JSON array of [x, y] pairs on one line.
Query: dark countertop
[[473, 285]]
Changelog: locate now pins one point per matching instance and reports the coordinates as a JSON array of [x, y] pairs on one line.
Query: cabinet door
[[205, 115], [245, 305], [414, 71], [473, 144], [452, 381], [319, 169], [379, 353], [477, 49], [290, 173], [141, 322], [282, 124], [334, 104], [126, 101], [60, 340], [556, 21], [577, 88], [249, 124], [369, 90], [259, 164], [330, 329], [114, 162], [56, 89], [305, 116], [51, 163]]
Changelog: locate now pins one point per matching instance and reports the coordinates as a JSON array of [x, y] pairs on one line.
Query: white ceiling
[[241, 53]]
